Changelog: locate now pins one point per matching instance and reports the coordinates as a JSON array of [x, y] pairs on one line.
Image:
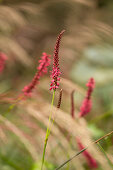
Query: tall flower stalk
[[44, 62], [55, 75]]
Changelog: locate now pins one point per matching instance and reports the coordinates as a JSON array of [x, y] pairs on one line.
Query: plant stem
[[47, 131], [95, 142], [102, 137], [109, 161]]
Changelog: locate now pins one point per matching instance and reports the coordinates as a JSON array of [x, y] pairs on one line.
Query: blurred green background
[[28, 28]]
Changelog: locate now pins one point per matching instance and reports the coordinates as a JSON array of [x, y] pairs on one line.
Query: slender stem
[[95, 142], [109, 161], [71, 158], [68, 165], [47, 131], [103, 137]]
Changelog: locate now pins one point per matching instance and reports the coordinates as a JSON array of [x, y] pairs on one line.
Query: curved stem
[[109, 161], [95, 142], [47, 131]]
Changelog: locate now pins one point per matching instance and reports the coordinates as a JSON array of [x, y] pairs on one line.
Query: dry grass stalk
[[64, 120], [20, 135]]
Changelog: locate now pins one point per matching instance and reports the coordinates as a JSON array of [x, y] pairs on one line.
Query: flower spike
[[87, 103], [41, 69], [55, 73]]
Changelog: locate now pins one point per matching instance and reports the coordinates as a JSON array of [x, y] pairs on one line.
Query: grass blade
[[109, 161], [71, 158]]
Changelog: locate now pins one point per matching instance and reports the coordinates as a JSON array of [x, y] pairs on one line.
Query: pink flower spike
[[3, 58], [55, 73], [91, 83], [44, 62], [87, 103], [91, 161]]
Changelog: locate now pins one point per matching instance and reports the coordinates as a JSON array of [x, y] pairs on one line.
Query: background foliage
[[27, 28]]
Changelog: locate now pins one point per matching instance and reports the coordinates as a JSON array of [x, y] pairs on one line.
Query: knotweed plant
[[87, 103], [85, 109], [55, 75], [44, 62]]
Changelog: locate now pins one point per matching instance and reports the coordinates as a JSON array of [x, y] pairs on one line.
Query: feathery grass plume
[[41, 69], [55, 73], [72, 104], [3, 58], [91, 161], [87, 103]]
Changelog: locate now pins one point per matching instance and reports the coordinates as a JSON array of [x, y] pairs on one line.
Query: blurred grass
[[110, 163], [27, 28]]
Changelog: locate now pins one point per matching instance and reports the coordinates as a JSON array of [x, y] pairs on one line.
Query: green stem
[[108, 134], [47, 131], [70, 159], [109, 161]]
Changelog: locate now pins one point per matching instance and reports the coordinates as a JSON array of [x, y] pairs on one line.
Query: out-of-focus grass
[[27, 28]]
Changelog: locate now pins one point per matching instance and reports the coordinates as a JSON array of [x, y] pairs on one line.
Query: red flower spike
[[87, 103], [41, 69], [91, 86], [55, 73], [91, 161], [3, 58]]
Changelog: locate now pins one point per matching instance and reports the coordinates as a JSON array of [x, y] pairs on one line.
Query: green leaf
[[109, 161]]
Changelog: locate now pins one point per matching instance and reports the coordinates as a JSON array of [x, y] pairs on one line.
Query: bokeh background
[[28, 28]]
